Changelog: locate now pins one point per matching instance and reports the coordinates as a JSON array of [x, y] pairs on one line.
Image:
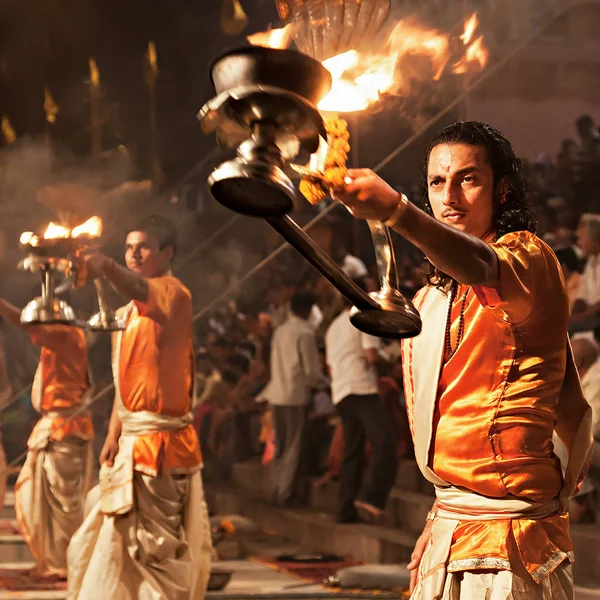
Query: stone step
[[13, 549], [8, 510], [409, 478], [318, 530], [586, 539], [27, 594], [407, 510], [250, 475]]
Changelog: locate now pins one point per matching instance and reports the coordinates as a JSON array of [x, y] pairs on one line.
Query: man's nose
[[450, 194]]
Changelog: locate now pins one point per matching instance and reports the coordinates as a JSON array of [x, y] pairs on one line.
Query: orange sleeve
[[525, 263], [165, 295]]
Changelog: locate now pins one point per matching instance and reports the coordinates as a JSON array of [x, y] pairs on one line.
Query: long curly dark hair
[[514, 213]]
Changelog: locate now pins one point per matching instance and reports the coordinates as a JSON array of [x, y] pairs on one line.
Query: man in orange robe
[[52, 485], [147, 534], [490, 377]]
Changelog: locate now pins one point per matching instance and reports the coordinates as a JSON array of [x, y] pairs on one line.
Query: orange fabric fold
[[156, 374]]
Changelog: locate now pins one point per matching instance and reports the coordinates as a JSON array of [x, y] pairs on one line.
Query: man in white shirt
[[351, 265], [585, 315], [295, 371], [351, 357]]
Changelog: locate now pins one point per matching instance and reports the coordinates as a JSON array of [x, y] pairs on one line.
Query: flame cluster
[[360, 79], [92, 228]]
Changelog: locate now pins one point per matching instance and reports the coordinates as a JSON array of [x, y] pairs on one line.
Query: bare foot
[[39, 573], [368, 512]]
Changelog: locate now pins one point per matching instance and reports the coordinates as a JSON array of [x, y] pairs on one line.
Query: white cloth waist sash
[[144, 421], [465, 505], [116, 482], [44, 428]]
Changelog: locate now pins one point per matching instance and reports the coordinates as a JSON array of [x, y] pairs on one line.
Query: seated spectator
[[585, 315]]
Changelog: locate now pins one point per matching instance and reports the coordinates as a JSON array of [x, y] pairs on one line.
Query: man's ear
[[502, 190], [168, 253]]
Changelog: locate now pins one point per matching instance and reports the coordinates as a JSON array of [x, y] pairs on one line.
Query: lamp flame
[[361, 79], [274, 38], [94, 73], [470, 27], [91, 228], [28, 237], [54, 232]]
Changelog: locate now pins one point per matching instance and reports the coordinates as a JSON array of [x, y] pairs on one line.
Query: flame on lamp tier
[[359, 80], [274, 38], [91, 228]]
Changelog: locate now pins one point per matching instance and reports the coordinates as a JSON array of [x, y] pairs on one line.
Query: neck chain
[[448, 351]]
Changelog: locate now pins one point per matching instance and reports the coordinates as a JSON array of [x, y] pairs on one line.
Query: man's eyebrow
[[465, 171]]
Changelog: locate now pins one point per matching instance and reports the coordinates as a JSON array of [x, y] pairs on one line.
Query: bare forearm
[[464, 257], [114, 427], [126, 282], [10, 312]]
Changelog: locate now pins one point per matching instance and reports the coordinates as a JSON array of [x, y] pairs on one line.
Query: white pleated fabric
[[507, 585]]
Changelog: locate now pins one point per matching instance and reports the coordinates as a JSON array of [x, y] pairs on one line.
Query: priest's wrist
[[108, 267], [396, 215]]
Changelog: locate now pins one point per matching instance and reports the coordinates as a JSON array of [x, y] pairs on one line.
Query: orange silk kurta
[[155, 374], [497, 402], [61, 379]]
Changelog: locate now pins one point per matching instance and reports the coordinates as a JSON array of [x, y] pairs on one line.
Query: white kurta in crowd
[[345, 354]]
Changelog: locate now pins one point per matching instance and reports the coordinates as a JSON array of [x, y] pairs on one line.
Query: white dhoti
[[507, 585], [50, 494], [145, 537]]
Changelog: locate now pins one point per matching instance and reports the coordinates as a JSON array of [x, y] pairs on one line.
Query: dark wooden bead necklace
[[448, 351]]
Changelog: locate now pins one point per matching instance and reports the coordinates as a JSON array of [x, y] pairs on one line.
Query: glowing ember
[[54, 231], [274, 38], [92, 228]]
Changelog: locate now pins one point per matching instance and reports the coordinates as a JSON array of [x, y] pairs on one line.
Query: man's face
[[142, 255], [460, 185]]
